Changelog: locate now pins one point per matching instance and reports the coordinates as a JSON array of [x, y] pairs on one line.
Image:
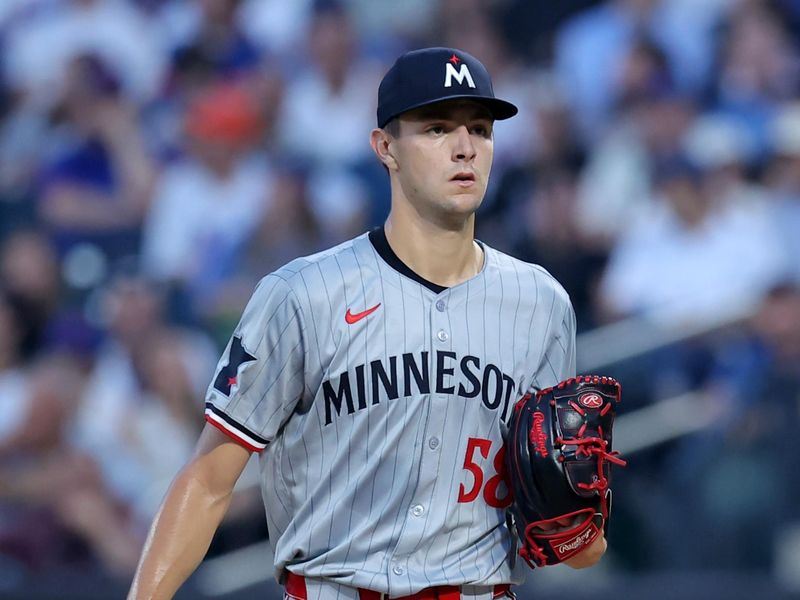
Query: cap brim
[[500, 109]]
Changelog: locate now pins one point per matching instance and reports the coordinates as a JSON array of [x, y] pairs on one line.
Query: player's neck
[[442, 256]]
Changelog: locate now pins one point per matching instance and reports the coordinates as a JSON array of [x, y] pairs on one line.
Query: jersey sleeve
[[559, 362], [260, 377]]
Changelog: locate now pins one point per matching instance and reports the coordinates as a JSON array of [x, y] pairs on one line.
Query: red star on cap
[[231, 380], [454, 59]]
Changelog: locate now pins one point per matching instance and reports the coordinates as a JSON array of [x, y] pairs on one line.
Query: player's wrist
[[589, 556]]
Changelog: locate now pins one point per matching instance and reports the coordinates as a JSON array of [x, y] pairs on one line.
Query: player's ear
[[381, 142]]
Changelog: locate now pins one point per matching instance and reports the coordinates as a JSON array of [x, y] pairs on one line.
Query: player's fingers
[[556, 524]]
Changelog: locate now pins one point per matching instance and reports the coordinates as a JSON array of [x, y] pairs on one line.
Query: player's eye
[[435, 129], [482, 130]]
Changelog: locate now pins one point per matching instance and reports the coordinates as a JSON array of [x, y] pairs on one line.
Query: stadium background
[[158, 157]]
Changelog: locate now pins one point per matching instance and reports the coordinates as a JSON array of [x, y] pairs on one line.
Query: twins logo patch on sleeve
[[228, 375]]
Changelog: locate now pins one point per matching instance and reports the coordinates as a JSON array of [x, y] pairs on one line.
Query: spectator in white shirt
[[207, 203], [690, 258]]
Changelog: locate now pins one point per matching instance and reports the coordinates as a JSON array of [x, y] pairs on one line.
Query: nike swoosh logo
[[355, 318]]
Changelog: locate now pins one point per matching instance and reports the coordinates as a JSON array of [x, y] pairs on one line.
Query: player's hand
[[589, 556]]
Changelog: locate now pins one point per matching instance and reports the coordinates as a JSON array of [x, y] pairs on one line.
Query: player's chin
[[465, 201], [458, 211]]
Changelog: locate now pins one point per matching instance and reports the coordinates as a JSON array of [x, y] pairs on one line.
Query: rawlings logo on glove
[[538, 437], [558, 458]]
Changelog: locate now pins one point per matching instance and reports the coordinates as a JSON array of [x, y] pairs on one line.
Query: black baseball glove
[[558, 458]]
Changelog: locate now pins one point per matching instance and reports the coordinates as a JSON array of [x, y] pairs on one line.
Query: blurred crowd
[[158, 157]]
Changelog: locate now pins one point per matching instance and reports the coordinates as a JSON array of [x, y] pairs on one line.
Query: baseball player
[[375, 379]]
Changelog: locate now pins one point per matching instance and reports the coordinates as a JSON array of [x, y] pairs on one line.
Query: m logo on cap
[[460, 75]]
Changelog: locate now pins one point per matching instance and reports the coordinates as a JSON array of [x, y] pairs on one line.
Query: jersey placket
[[409, 551]]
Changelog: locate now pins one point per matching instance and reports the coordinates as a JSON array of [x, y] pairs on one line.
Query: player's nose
[[463, 148]]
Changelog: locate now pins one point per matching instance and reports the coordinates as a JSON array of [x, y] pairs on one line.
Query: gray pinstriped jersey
[[381, 406]]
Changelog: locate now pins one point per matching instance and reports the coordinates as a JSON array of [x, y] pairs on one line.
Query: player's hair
[[392, 127]]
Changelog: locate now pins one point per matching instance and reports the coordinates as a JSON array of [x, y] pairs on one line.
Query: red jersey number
[[492, 489]]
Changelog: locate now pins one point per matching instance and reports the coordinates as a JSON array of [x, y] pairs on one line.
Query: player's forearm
[[179, 537]]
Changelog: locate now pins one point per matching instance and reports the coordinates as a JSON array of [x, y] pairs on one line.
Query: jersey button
[[440, 305], [418, 510], [433, 443], [442, 335], [398, 570]]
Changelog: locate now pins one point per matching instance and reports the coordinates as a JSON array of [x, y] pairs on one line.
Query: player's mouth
[[464, 179]]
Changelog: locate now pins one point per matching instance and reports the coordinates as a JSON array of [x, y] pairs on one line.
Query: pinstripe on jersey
[[379, 429]]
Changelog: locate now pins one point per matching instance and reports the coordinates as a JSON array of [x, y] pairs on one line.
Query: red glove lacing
[[594, 446]]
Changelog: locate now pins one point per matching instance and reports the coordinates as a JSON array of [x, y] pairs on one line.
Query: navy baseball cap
[[429, 75]]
